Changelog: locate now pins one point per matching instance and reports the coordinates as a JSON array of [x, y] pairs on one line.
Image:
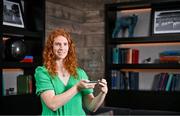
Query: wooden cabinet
[[22, 32], [142, 54]]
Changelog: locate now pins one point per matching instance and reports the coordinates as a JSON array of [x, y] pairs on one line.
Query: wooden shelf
[[8, 30], [133, 99], [15, 104], [148, 39], [19, 65], [146, 66]]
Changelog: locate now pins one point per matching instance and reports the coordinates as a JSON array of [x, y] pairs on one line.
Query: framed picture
[[12, 14], [166, 21]]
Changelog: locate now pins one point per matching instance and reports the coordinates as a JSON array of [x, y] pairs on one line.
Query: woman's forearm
[[94, 103], [97, 102], [56, 101]]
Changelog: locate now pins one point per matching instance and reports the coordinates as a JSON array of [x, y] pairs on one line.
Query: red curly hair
[[70, 61]]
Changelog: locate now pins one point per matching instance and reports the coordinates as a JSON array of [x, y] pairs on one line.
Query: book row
[[138, 55], [125, 56], [129, 80], [166, 82], [124, 80]]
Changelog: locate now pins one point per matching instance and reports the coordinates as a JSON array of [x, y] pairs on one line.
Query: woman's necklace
[[63, 72]]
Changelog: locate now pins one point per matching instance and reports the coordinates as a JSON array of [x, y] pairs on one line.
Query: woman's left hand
[[103, 86]]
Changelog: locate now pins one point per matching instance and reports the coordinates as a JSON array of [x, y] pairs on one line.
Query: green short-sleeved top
[[45, 82]]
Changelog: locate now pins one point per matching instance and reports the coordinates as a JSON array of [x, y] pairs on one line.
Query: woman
[[64, 87]]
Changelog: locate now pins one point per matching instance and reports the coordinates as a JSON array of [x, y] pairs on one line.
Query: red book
[[135, 56]]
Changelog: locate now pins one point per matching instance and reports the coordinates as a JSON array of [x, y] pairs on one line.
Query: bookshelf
[[22, 32], [131, 75]]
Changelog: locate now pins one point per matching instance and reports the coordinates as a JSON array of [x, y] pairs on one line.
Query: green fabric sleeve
[[84, 76], [43, 81]]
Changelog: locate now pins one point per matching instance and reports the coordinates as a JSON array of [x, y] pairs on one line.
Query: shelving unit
[[150, 45], [33, 36]]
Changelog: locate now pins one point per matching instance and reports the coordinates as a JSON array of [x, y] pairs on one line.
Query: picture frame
[[12, 13], [166, 21]]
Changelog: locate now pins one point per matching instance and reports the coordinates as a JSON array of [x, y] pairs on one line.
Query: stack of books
[[171, 56]]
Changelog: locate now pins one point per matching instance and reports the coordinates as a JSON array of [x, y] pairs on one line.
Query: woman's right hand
[[83, 84]]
